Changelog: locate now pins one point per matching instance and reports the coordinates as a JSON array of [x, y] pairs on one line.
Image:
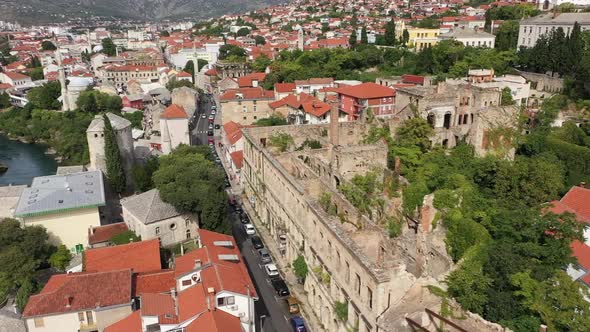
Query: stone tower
[[96, 144]]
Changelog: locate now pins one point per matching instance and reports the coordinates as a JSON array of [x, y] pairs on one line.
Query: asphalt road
[[272, 312]]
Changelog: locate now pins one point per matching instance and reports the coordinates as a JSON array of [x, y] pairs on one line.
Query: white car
[[203, 116], [249, 228], [213, 112], [271, 270]]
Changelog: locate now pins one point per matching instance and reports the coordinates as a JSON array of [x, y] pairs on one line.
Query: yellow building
[[420, 38], [245, 105], [66, 205]]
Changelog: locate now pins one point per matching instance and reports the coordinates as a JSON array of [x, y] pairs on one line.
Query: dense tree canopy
[[192, 183], [232, 53], [108, 47], [47, 45], [93, 101], [45, 96]]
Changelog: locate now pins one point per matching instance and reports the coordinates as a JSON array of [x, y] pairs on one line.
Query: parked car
[[203, 116], [298, 324], [257, 242], [249, 229], [213, 106], [217, 126], [244, 218], [293, 304], [210, 126], [211, 141], [213, 111], [280, 287], [271, 270], [210, 133], [239, 209], [264, 256]]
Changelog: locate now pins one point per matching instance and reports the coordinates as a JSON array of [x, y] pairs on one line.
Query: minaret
[[62, 80], [300, 40]]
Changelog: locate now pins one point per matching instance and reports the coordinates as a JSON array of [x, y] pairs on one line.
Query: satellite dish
[[195, 277]]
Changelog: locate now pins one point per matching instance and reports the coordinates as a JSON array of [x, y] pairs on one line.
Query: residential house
[[133, 101], [420, 38], [119, 75], [252, 80], [282, 90], [101, 236], [577, 201], [227, 83], [245, 105], [357, 99], [473, 38], [66, 205], [302, 109], [531, 29], [313, 85], [151, 218], [80, 302], [184, 76], [174, 128], [17, 80], [142, 256]]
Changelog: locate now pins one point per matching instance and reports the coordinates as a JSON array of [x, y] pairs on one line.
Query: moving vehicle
[[271, 270], [249, 229], [298, 324], [257, 242], [280, 287], [264, 256], [293, 304], [203, 116]]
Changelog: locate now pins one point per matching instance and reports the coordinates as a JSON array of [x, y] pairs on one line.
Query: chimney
[[197, 263], [91, 229], [583, 184], [69, 301], [543, 328]]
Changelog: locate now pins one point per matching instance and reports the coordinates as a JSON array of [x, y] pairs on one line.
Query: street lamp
[[261, 319]]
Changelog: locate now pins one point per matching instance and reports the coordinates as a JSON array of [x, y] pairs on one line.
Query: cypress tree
[[390, 33], [364, 37], [115, 173], [352, 39]]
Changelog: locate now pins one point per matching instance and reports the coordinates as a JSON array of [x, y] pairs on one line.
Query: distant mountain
[[46, 11]]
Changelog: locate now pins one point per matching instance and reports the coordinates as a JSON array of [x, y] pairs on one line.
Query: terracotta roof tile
[[247, 81], [192, 301], [184, 74], [104, 233], [174, 112], [215, 321], [154, 282], [247, 93], [140, 256], [157, 305], [233, 131], [238, 158], [83, 291], [285, 87], [131, 323], [367, 91], [578, 200]]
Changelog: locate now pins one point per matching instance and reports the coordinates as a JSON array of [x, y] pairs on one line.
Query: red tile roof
[[316, 108], [215, 320], [5, 86], [367, 91], [233, 131], [140, 256], [154, 282], [285, 87], [315, 81], [238, 158], [131, 323], [192, 301], [184, 74], [16, 76], [83, 291], [104, 233], [578, 200], [157, 305], [413, 79], [174, 112], [247, 81], [247, 93]]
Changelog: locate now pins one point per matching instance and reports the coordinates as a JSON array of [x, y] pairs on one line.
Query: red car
[[211, 141]]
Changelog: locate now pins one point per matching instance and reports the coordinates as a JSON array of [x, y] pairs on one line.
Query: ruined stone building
[[458, 112], [352, 259]]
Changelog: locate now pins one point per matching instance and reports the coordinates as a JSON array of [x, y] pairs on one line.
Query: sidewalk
[[297, 290]]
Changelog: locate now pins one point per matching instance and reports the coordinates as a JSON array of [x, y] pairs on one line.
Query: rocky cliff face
[[43, 11]]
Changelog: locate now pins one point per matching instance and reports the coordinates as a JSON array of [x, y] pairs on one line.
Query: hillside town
[[310, 166]]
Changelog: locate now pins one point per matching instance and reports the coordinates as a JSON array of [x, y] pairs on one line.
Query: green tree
[[26, 289], [559, 301], [60, 259], [190, 68], [273, 120], [47, 45], [390, 33], [173, 84], [164, 33], [45, 96], [108, 47], [259, 40], [4, 100], [364, 37], [192, 183], [300, 268], [243, 32], [352, 39], [35, 62], [506, 97], [143, 174], [507, 35], [415, 132], [114, 163], [282, 141], [405, 36], [36, 74], [228, 51], [261, 63]]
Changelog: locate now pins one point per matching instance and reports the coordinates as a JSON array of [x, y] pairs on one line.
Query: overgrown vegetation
[[124, 238], [273, 120], [300, 268], [341, 310], [281, 141]]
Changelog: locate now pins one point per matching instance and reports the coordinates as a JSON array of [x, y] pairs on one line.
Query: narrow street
[[272, 311]]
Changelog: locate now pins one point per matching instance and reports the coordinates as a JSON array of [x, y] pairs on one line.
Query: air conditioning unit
[[233, 307], [242, 314]]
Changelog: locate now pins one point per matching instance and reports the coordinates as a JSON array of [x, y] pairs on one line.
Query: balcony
[[87, 328]]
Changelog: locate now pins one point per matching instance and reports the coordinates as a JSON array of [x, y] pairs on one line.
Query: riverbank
[[49, 151], [25, 161]]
